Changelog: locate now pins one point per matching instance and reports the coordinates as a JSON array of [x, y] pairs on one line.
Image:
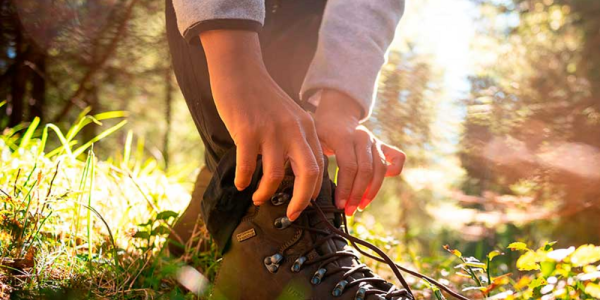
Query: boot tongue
[[325, 200]]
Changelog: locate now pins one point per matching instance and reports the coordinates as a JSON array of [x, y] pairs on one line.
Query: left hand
[[362, 158]]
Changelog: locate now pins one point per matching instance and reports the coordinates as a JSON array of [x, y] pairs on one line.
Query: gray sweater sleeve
[[195, 16], [353, 41]]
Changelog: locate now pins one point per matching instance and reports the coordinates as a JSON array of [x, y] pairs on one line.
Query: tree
[[534, 112]]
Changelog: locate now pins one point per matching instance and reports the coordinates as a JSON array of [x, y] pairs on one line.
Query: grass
[[77, 226], [71, 222]]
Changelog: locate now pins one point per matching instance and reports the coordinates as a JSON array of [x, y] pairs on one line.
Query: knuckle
[[365, 168], [306, 119], [274, 176], [288, 123], [245, 168], [355, 198], [320, 161], [350, 168], [312, 171], [343, 190]]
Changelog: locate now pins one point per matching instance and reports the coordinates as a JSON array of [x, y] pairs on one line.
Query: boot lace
[[333, 233]]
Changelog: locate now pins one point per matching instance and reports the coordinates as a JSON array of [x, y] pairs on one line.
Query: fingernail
[[342, 204], [350, 210], [294, 215], [364, 204]]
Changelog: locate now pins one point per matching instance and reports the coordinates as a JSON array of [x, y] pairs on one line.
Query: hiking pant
[[288, 41]]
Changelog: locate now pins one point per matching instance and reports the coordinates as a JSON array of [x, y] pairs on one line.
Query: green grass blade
[[89, 213], [127, 150], [29, 133], [59, 150], [82, 183], [111, 115], [61, 137], [102, 135]]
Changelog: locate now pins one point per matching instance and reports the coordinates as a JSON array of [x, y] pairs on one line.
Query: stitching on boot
[[291, 242]]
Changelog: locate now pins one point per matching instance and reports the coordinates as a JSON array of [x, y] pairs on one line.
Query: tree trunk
[[15, 109], [37, 101]]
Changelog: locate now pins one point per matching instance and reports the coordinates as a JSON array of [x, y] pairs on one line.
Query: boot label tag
[[246, 235]]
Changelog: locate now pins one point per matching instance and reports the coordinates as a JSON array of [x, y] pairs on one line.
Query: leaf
[[100, 136], [585, 255], [593, 290], [142, 235], [528, 261], [493, 254], [519, 246], [474, 288], [548, 246], [165, 215], [29, 133], [149, 222], [453, 251], [160, 230], [547, 267], [537, 283], [502, 279], [476, 265]]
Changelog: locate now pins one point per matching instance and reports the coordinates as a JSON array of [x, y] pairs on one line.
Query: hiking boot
[[270, 257]]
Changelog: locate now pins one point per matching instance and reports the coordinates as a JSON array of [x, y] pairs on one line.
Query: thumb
[[395, 159]]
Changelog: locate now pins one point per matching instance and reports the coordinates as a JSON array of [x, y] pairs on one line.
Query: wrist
[[338, 106]]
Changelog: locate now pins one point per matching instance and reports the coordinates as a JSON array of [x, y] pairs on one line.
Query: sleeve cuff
[[191, 33]]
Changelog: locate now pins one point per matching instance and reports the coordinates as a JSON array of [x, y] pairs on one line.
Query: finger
[[273, 172], [306, 172], [395, 158], [379, 171], [246, 154], [346, 160], [364, 155], [315, 146]]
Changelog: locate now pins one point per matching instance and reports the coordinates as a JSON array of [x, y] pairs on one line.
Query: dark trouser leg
[[288, 42]]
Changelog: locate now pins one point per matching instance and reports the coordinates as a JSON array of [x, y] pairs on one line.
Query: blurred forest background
[[514, 155]]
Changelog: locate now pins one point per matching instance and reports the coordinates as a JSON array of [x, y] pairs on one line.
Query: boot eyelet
[[360, 294], [272, 262], [298, 264], [279, 199], [316, 279], [339, 288], [282, 223]]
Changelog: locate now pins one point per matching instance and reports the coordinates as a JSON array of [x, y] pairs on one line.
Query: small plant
[[548, 273]]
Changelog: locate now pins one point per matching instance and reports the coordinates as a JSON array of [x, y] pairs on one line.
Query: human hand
[[262, 119], [362, 158]]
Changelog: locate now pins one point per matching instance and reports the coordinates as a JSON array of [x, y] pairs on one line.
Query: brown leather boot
[[272, 258]]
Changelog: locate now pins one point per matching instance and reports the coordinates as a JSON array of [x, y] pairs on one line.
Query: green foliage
[[68, 220], [547, 272]]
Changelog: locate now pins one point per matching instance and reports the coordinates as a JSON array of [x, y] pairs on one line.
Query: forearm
[[230, 54], [195, 17], [353, 41]]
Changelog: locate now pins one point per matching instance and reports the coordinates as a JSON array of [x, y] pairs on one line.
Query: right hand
[[262, 119]]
